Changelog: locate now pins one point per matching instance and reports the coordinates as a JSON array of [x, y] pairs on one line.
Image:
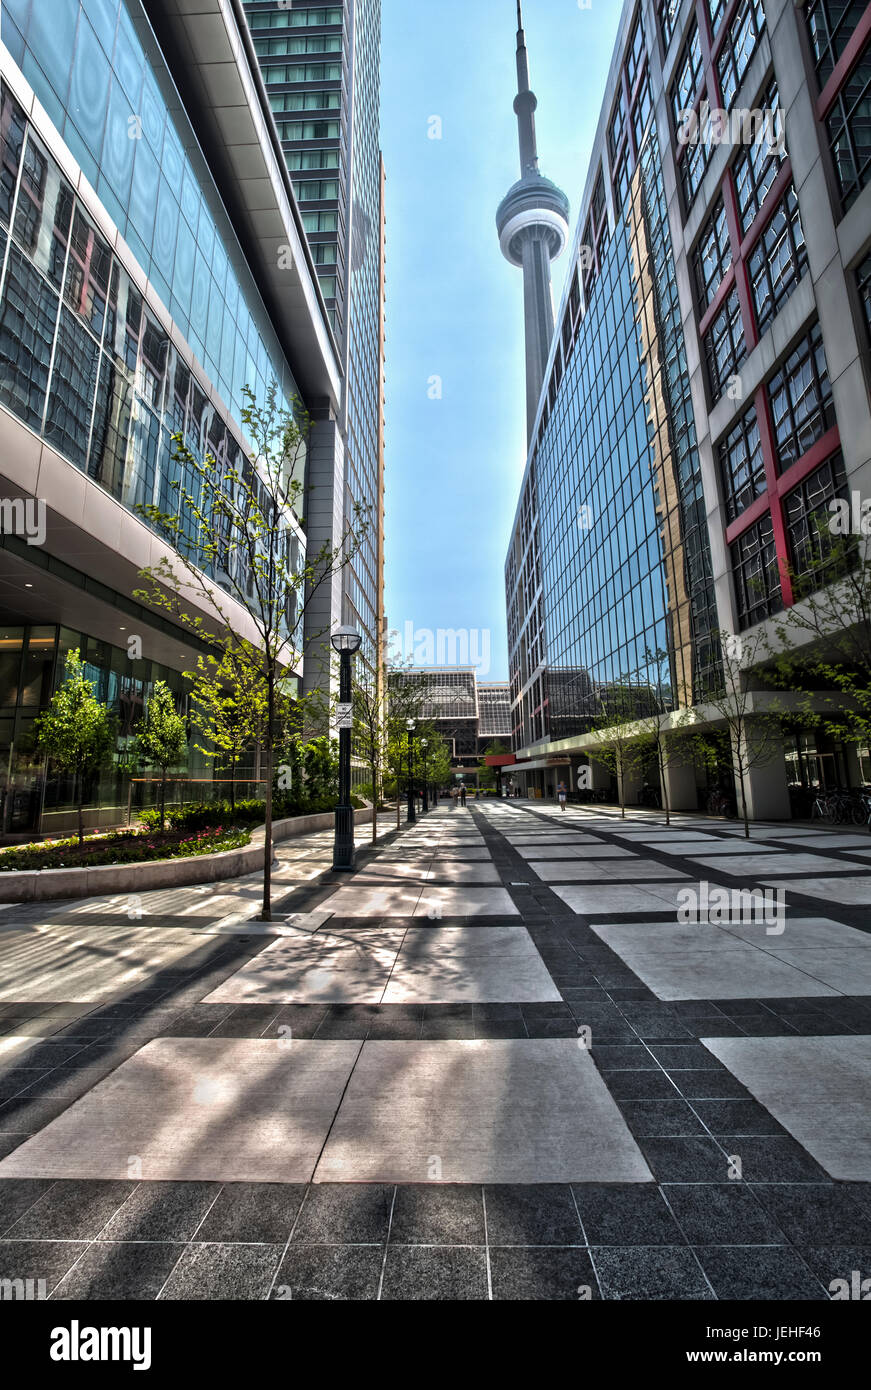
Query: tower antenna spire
[[532, 222]]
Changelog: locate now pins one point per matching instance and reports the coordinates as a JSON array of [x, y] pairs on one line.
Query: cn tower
[[533, 226]]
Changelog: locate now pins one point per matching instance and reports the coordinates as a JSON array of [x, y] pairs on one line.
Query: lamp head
[[424, 743], [409, 724], [346, 639]]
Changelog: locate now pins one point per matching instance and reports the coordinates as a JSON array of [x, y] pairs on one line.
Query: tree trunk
[[744, 814], [80, 783], [266, 913], [664, 790], [233, 787], [374, 770], [163, 800]]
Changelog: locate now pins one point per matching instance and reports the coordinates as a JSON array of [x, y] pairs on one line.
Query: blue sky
[[454, 306]]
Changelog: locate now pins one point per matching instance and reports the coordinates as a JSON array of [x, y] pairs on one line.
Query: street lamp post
[[345, 641], [412, 814], [424, 745]]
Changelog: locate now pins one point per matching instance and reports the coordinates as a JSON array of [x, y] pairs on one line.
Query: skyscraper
[[321, 68], [707, 398], [152, 266], [533, 225]]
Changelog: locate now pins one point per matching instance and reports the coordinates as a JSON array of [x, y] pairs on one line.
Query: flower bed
[[121, 847]]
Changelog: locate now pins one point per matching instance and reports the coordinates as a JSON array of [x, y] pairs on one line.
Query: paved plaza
[[519, 1054]]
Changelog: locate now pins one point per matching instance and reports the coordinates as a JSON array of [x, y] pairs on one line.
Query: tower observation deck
[[533, 225]]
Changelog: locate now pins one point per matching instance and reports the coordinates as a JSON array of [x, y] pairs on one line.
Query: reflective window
[[725, 348], [806, 513], [831, 24], [742, 467], [739, 47], [756, 574], [712, 256], [800, 395], [28, 314], [777, 261], [849, 128]]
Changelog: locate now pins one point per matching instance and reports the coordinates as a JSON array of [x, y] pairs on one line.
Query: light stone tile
[[803, 933], [742, 972], [393, 901], [528, 1110], [719, 848], [817, 1088], [620, 897], [198, 1110], [586, 852], [326, 968], [851, 891], [87, 963], [454, 965], [449, 871], [750, 865], [605, 872], [445, 901], [848, 971]]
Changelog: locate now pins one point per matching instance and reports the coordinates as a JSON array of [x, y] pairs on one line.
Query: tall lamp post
[[424, 745], [346, 641], [412, 814]]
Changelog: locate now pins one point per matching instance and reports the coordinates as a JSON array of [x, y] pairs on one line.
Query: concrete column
[[765, 784], [680, 785]]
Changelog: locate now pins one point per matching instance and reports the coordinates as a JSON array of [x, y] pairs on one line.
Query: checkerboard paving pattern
[[494, 1064]]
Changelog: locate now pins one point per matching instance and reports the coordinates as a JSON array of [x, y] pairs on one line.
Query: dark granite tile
[[622, 1057], [649, 1272], [344, 1214], [17, 1195], [44, 1262], [123, 1271], [721, 1214], [622, 1214], [640, 1085], [685, 1056], [736, 1117], [335, 1272], [436, 1214], [693, 1159], [72, 1209], [207, 1272], [708, 1084], [543, 1274], [159, 1211], [435, 1273], [759, 1273], [843, 1270], [811, 1214], [774, 1159], [536, 1214], [649, 1119]]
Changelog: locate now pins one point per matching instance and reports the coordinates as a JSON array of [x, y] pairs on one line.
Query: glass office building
[[707, 393], [134, 305], [321, 68]]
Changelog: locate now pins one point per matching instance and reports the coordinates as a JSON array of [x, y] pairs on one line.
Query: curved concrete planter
[[37, 885]]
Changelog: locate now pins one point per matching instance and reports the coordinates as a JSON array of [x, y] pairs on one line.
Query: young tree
[[228, 708], [407, 695], [753, 719], [824, 647], [659, 724], [161, 737], [236, 523], [369, 737], [618, 743], [76, 731]]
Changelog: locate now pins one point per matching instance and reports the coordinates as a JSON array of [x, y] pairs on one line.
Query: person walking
[[463, 794], [454, 798], [562, 795]]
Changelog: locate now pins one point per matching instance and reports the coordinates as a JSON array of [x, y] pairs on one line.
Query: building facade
[[707, 392], [145, 206], [321, 68], [472, 717]]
